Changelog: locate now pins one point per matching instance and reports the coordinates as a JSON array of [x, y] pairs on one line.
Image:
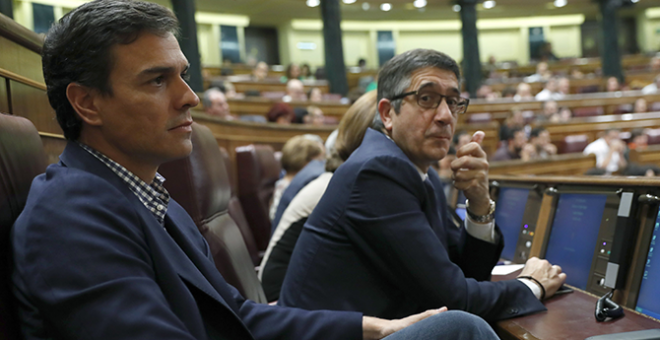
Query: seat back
[[200, 184], [22, 157], [653, 136], [258, 170], [236, 210], [574, 143], [477, 118]]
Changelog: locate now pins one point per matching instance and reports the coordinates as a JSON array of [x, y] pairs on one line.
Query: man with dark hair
[[381, 240], [100, 250], [515, 142], [539, 146]]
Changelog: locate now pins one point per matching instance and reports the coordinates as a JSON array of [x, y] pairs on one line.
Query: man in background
[[215, 104]]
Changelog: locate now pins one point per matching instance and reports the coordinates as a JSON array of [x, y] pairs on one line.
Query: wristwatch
[[489, 217]]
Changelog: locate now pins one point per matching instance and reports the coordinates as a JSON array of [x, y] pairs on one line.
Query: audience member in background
[[292, 72], [638, 139], [315, 95], [516, 140], [546, 52], [297, 152], [362, 63], [295, 91], [281, 113], [314, 116], [640, 106], [612, 84], [484, 92], [260, 71], [563, 88], [550, 112], [523, 92], [515, 120], [652, 88], [490, 68], [351, 129], [549, 91], [306, 72], [575, 73], [609, 151], [539, 146], [215, 104], [542, 73], [508, 92], [565, 115]]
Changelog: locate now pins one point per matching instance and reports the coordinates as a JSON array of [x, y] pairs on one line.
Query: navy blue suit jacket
[[91, 262], [309, 173], [381, 241]]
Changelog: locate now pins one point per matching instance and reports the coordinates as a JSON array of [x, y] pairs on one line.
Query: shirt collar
[[153, 196]]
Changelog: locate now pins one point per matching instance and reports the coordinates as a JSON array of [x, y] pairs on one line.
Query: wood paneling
[[32, 104], [4, 96], [20, 60], [565, 165], [649, 155], [260, 106]]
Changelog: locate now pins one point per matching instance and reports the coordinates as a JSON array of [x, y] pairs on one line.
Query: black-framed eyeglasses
[[428, 99]]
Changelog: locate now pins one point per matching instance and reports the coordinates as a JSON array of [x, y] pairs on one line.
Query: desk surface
[[569, 316]]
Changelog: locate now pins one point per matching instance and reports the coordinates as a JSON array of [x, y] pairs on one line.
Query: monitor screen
[[574, 235], [460, 210], [648, 301], [509, 216]]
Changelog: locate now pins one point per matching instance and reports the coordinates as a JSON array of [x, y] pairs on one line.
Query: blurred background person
[[609, 151], [215, 104], [640, 106], [306, 72], [295, 91], [652, 88], [542, 73], [296, 153], [314, 116], [315, 95], [612, 85], [539, 146], [511, 149], [281, 113], [563, 87], [515, 120], [549, 91], [292, 72], [260, 71], [523, 92], [550, 110], [565, 115]]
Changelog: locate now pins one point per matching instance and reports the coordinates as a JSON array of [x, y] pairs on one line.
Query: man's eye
[[426, 98], [158, 81], [185, 76], [452, 101]]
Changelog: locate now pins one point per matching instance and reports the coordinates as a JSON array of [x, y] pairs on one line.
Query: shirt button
[[160, 207]]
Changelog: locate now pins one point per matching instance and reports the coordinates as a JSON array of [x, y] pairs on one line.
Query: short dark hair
[[394, 76], [512, 133], [77, 49], [458, 135], [537, 131]]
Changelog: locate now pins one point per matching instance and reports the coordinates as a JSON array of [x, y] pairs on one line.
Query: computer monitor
[[648, 300], [511, 204], [575, 235]]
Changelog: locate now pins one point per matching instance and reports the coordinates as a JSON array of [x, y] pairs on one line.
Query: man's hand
[[550, 276], [471, 174], [375, 328]]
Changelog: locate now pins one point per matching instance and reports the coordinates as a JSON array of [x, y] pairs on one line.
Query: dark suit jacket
[[91, 262], [309, 173], [381, 241]]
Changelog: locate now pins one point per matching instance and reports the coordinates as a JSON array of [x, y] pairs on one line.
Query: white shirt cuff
[[533, 286], [481, 231]]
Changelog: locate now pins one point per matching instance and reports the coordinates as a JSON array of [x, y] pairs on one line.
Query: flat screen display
[[509, 216], [648, 301], [574, 235]]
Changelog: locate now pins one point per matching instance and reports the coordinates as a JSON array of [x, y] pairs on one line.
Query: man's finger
[[478, 137]]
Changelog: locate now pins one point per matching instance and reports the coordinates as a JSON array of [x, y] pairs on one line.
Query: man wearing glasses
[[381, 240]]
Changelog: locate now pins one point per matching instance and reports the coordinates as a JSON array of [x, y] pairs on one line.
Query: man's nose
[[442, 113]]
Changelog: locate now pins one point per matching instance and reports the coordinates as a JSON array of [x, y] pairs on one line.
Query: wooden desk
[[243, 84], [566, 165], [260, 106], [570, 316]]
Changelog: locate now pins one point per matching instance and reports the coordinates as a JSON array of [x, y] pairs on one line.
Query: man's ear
[[82, 100], [385, 109]]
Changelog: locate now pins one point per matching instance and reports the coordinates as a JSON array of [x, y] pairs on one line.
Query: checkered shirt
[[154, 196]]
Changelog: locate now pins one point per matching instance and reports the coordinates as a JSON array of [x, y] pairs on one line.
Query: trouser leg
[[454, 325]]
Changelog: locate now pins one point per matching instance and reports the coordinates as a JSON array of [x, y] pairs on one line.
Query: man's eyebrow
[[162, 69], [432, 84]]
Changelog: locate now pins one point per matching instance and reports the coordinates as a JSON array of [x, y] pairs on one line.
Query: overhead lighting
[[365, 6], [456, 8], [348, 2], [313, 3], [634, 1], [385, 7], [560, 3], [419, 3], [489, 4]]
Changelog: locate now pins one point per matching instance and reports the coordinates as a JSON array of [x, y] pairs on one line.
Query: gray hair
[[206, 98], [394, 76]]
